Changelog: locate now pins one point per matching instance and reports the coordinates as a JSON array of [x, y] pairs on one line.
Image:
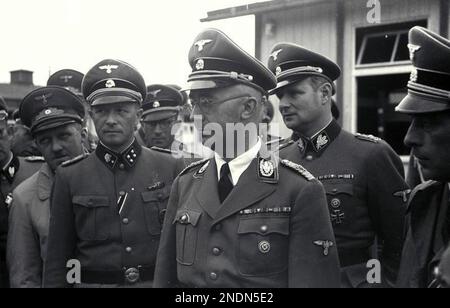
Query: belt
[[349, 257], [130, 275]]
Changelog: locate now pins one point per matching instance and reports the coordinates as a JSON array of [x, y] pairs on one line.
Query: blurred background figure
[[22, 143], [161, 111], [71, 80]]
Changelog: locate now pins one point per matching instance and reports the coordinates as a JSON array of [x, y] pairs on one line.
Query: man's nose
[[56, 146], [111, 119], [414, 135]]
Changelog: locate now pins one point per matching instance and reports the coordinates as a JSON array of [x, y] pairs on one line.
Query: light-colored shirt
[[239, 164]]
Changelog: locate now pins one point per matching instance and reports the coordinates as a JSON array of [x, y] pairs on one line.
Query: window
[[377, 45]]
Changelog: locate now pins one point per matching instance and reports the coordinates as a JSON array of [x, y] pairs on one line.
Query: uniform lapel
[[207, 193], [249, 190]]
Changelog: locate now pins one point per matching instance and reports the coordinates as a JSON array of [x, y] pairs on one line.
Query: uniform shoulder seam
[[370, 138], [74, 160], [34, 159], [298, 169], [161, 150], [193, 165]]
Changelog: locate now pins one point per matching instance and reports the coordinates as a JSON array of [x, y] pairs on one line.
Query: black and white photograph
[[225, 149]]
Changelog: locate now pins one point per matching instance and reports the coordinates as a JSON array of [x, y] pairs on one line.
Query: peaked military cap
[[217, 62], [183, 93], [429, 84], [162, 102], [50, 107], [292, 63], [113, 81], [67, 78]]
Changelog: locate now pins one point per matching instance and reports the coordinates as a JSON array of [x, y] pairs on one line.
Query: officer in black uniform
[[13, 171], [71, 80], [428, 213], [362, 175], [242, 218], [107, 209]]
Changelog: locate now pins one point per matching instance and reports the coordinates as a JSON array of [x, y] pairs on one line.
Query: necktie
[[225, 185]]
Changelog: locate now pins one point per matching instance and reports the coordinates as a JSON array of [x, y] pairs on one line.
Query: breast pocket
[[92, 217], [155, 203], [263, 245], [340, 197], [187, 233]]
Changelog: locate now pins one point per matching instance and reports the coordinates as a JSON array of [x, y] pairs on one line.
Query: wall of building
[[355, 17]]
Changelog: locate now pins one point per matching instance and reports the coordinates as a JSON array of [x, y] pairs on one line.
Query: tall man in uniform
[[242, 218], [362, 175], [56, 125], [107, 209], [428, 102], [13, 171]]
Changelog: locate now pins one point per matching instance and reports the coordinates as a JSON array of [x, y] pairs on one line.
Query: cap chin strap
[[122, 92]]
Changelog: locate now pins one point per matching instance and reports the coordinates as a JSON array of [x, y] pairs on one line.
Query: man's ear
[[249, 108], [326, 92], [138, 118]]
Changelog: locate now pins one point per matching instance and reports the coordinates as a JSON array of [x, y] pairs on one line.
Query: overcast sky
[[155, 36]]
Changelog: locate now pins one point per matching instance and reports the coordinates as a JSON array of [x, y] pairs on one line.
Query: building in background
[[374, 56], [21, 84]]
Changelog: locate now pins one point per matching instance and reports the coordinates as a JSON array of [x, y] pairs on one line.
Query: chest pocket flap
[[339, 188], [264, 225], [156, 195], [91, 201]]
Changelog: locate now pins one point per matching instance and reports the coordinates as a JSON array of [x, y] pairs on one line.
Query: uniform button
[[90, 203], [216, 251], [218, 227], [121, 166], [128, 249], [122, 193], [309, 157], [335, 190], [213, 276], [125, 221], [160, 196], [264, 229]]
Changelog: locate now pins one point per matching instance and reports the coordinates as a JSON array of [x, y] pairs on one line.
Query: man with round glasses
[[242, 219]]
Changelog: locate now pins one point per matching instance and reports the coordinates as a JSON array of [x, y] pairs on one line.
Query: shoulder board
[[74, 160], [166, 151], [285, 145], [298, 168], [370, 138], [35, 159], [194, 164]]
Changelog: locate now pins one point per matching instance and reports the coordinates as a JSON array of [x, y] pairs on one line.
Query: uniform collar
[[240, 163], [45, 182], [11, 168], [318, 143], [125, 160]]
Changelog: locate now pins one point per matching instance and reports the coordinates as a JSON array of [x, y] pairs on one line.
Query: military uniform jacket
[[272, 231], [107, 211], [29, 217], [367, 195], [18, 170], [425, 240]]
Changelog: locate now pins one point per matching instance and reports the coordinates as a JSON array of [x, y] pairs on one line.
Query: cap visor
[[51, 125], [413, 104], [156, 115], [106, 100]]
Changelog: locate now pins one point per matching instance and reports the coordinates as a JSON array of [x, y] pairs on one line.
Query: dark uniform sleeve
[[309, 266], [387, 207], [62, 235], [166, 264], [24, 253]]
